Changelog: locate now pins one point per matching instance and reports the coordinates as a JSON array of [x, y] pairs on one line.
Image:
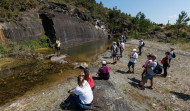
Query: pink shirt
[[147, 62], [104, 71], [90, 81]]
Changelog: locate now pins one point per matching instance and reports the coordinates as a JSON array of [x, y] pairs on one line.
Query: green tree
[[181, 22]]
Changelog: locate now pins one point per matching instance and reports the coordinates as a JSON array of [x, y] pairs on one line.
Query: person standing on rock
[[88, 77], [141, 44], [57, 46], [122, 48], [114, 49], [104, 71], [82, 95], [132, 61], [150, 72], [166, 63], [172, 54], [149, 60]]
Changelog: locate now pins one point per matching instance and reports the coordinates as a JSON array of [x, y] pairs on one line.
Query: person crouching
[[104, 71]]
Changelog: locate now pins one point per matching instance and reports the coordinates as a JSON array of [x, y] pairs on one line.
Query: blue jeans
[[78, 101]]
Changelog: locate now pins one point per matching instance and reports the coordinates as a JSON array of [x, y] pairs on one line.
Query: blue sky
[[159, 11]]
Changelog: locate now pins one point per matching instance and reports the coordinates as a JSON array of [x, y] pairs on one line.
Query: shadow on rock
[[135, 82], [106, 57], [122, 72], [183, 96]]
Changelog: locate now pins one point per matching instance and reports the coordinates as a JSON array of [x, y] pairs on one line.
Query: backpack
[[143, 44], [158, 69], [163, 60], [173, 56]]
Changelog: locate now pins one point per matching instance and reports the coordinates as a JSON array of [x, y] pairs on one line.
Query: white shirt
[[84, 92], [135, 55], [171, 54], [140, 43], [122, 45]]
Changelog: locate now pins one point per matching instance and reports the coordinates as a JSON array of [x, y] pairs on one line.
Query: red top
[[90, 81]]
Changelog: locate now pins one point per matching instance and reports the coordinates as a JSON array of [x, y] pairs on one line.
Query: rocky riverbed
[[120, 92]]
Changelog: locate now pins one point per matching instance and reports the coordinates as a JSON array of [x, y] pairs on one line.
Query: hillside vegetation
[[117, 22]]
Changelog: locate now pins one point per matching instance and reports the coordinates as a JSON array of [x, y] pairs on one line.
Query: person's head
[[80, 80], [141, 40], [153, 57], [149, 57], [172, 49], [167, 53], [134, 50], [86, 73], [103, 63], [114, 43], [58, 38]]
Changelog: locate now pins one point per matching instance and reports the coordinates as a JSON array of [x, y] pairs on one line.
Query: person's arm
[[72, 93], [168, 61], [134, 57]]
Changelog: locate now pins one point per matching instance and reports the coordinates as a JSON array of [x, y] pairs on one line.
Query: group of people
[[151, 66], [83, 93]]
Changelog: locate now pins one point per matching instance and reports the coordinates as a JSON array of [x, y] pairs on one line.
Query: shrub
[[33, 44], [157, 29], [184, 34], [44, 41]]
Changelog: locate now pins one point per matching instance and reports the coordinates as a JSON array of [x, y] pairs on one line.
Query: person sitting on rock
[[82, 95], [132, 61], [145, 67], [104, 71], [88, 77]]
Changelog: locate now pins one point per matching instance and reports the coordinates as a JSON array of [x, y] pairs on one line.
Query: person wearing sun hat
[[104, 71], [132, 61], [171, 54], [150, 72]]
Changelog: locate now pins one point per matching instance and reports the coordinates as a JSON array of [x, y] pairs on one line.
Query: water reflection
[[88, 51]]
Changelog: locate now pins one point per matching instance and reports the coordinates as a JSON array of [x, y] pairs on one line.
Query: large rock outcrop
[[70, 24], [29, 27]]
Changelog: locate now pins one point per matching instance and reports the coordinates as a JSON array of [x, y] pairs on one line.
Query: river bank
[[120, 91]]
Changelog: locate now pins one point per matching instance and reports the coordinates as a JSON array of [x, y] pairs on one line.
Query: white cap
[[104, 62], [134, 50]]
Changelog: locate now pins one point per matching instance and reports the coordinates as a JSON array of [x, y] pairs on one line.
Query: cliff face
[[29, 27], [72, 30], [71, 25]]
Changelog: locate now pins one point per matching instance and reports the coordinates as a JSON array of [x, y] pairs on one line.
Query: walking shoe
[[132, 72], [128, 71], [64, 104]]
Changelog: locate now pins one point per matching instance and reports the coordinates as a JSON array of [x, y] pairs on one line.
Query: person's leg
[[143, 73], [80, 104], [129, 69], [140, 50], [151, 84], [170, 60], [69, 99], [133, 66], [165, 71]]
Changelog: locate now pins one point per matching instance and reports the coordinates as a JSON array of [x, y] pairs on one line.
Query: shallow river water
[[28, 74]]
